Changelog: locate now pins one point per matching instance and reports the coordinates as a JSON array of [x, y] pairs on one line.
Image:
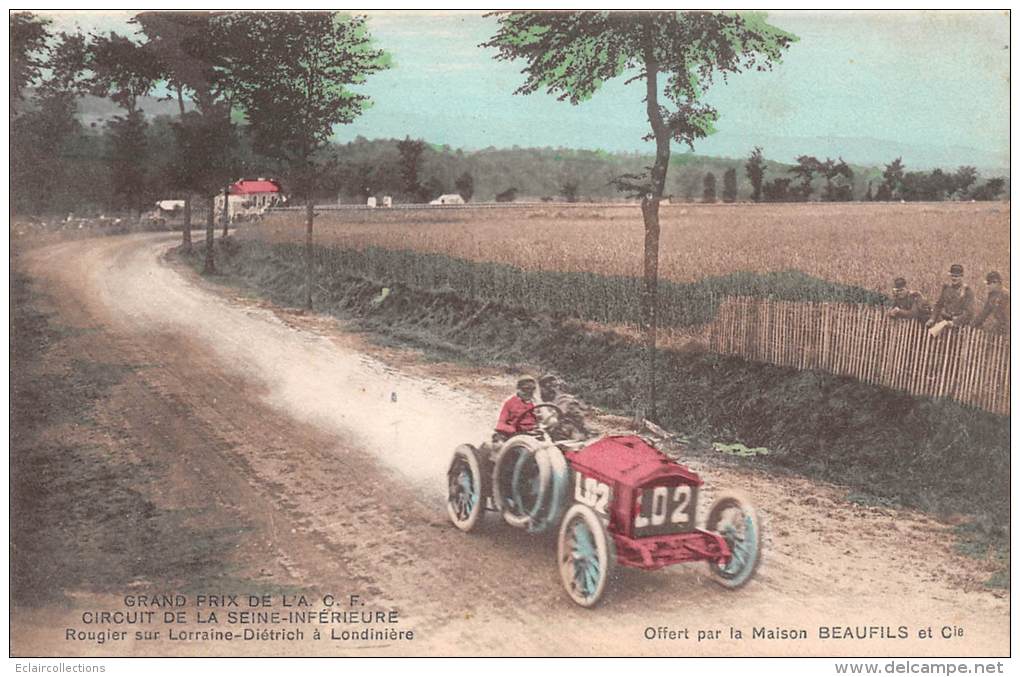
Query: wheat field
[[865, 245]]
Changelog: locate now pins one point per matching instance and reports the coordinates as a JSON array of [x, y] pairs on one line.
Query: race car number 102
[[663, 510]]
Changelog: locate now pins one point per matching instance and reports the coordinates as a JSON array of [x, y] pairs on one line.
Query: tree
[[199, 165], [28, 35], [756, 172], [291, 72], [568, 189], [963, 178], [129, 159], [708, 193], [869, 196], [925, 186], [805, 170], [570, 55], [729, 180], [124, 71], [990, 190], [41, 131], [892, 180], [839, 180], [778, 190], [431, 189], [410, 161], [181, 42], [465, 185]]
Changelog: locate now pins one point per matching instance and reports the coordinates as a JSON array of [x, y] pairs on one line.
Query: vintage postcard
[[524, 333]]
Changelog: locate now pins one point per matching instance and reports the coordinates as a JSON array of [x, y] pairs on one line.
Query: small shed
[[448, 199]]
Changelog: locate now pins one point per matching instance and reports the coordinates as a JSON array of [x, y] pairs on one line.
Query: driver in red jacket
[[512, 418]]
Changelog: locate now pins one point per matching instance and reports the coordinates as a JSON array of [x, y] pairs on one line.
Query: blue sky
[[930, 86]]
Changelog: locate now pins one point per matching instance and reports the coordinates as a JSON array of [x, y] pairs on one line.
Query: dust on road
[[331, 455]]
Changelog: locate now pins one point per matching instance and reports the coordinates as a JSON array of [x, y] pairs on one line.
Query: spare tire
[[529, 483]]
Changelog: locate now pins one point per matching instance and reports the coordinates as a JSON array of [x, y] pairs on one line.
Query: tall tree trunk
[[186, 241], [309, 275], [210, 230], [226, 209], [650, 213]]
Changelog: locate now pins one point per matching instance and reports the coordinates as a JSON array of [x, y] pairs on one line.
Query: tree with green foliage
[[755, 168], [411, 151], [708, 189], [571, 54], [839, 180], [777, 190], [465, 185], [28, 35], [990, 190], [729, 180], [124, 71], [962, 179], [199, 165], [182, 41], [805, 169], [55, 66], [892, 181], [291, 73]]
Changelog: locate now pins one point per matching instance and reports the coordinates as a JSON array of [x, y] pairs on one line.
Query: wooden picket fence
[[968, 365]]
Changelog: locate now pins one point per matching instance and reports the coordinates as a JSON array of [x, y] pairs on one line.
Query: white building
[[448, 199]]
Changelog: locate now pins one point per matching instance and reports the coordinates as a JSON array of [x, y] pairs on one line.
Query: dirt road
[[325, 456]]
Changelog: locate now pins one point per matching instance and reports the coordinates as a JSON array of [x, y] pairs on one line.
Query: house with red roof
[[251, 197]]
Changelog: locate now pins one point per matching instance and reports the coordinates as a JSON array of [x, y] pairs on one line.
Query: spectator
[[996, 305], [955, 306], [908, 304]]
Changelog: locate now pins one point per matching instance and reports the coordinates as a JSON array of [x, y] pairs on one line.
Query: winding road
[[335, 450]]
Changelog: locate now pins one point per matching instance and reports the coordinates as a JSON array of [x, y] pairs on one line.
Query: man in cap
[[996, 304], [515, 416], [907, 304], [548, 388], [955, 306]]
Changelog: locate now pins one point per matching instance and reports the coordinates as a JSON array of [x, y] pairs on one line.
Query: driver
[[515, 416]]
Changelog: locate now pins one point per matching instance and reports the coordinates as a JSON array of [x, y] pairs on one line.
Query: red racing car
[[616, 500]]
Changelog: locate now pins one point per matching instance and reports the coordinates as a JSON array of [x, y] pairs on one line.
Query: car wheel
[[734, 518], [586, 555], [465, 497]]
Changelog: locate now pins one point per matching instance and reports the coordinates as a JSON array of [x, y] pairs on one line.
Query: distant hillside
[[93, 110]]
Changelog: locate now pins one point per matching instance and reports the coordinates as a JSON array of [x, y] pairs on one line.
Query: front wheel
[[586, 555], [465, 497], [734, 518]]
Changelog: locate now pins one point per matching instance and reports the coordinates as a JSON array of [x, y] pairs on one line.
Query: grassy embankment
[[886, 447]]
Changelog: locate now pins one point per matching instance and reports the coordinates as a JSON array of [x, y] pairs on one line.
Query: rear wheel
[[465, 498], [734, 518], [586, 555]]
